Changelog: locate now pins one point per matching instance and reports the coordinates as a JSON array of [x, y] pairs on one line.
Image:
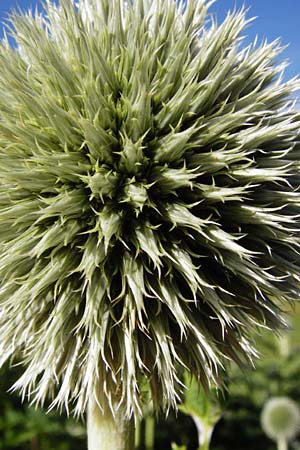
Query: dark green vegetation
[[27, 428]]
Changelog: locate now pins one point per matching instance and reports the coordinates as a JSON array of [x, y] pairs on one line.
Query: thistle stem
[[205, 431], [108, 432], [138, 433], [205, 445], [149, 432], [282, 444]]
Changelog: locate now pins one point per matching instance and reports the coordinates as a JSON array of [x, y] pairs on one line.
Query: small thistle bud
[[280, 418], [132, 159], [103, 183], [135, 194]]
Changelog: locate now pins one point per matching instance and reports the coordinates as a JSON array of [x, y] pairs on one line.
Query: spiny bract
[[149, 202]]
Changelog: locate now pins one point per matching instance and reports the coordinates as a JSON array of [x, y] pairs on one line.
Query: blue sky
[[275, 18]]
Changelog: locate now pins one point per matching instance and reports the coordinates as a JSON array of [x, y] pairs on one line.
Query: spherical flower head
[[149, 201], [280, 418]]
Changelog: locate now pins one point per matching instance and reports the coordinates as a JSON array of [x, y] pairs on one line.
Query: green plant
[[205, 408], [29, 428], [178, 447], [148, 203]]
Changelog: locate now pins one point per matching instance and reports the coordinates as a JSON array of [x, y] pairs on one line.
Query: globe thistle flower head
[[149, 202], [280, 418]]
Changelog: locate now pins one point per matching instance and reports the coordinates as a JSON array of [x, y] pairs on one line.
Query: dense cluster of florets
[[149, 203]]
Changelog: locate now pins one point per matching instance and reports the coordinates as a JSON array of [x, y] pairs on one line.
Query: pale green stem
[[205, 431], [284, 345], [137, 438], [282, 444], [149, 432], [108, 432], [205, 445]]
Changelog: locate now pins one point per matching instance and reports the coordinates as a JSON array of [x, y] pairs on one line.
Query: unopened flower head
[[149, 201], [280, 418]]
